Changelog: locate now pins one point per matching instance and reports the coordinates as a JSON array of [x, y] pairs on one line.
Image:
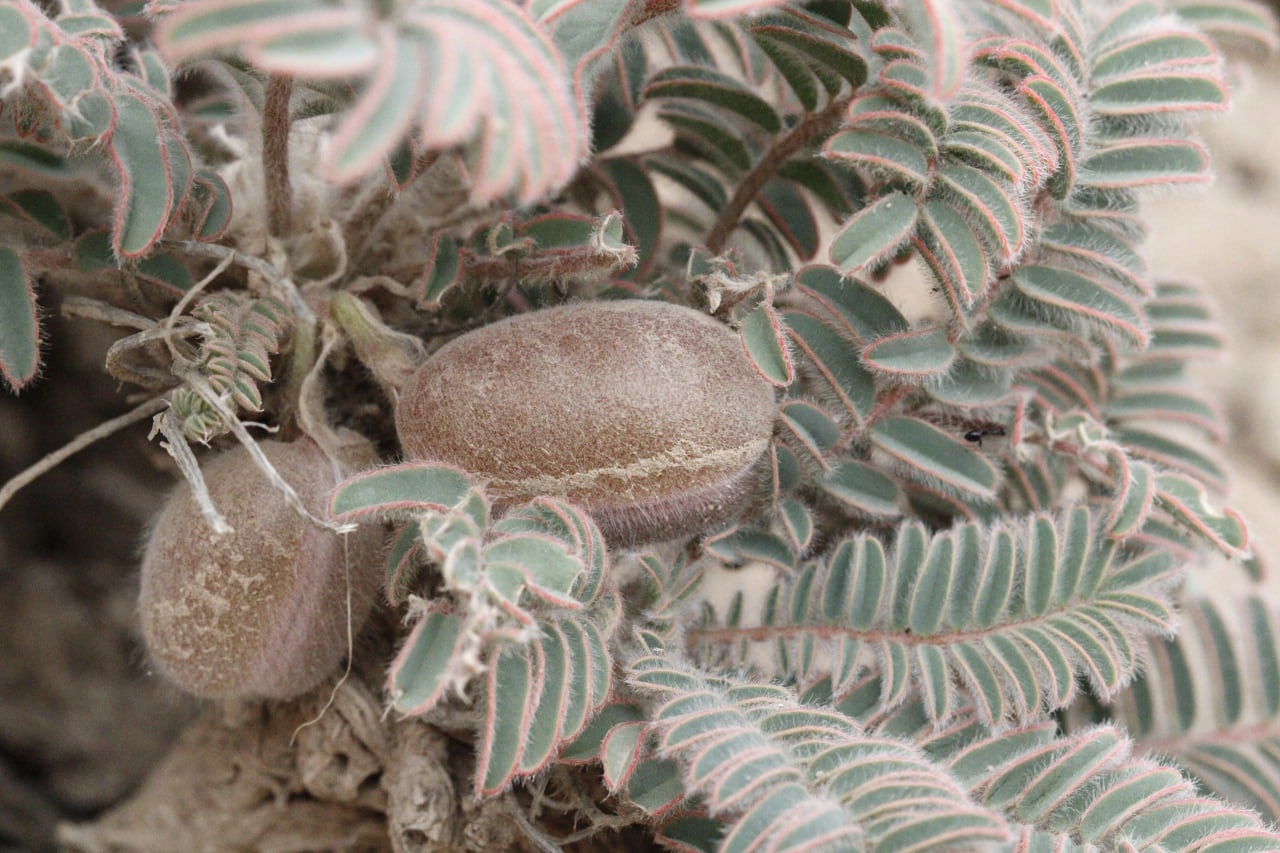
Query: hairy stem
[[275, 155], [809, 128]]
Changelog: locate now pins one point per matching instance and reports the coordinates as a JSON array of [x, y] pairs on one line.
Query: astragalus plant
[[977, 518]]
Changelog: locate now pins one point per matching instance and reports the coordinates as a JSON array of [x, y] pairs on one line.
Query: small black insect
[[976, 435]]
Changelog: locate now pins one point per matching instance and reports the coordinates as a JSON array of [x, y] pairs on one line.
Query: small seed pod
[[262, 611], [649, 415]]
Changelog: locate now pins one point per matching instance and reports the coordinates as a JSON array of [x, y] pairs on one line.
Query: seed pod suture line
[[649, 415]]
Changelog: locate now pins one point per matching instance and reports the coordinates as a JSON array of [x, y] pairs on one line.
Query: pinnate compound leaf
[[1212, 693], [509, 83], [19, 323], [406, 487], [243, 334], [797, 777], [874, 234], [968, 615], [1088, 787], [499, 84]]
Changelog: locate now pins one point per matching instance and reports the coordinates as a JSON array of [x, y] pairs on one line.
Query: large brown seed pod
[[649, 415], [262, 611]]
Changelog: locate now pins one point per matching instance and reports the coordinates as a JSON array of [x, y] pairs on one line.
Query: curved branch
[[810, 127]]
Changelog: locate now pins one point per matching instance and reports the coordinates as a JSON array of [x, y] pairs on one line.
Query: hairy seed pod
[[262, 611], [649, 415]]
